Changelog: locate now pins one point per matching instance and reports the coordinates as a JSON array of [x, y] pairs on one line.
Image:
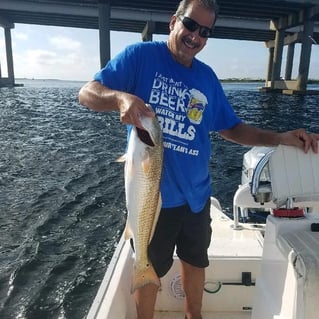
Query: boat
[[265, 270]]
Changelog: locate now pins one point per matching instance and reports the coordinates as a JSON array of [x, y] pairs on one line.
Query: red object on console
[[284, 212]]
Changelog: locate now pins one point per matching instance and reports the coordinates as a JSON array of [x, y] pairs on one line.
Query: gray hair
[[208, 4]]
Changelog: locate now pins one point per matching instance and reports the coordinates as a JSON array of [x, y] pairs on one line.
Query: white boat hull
[[264, 271]]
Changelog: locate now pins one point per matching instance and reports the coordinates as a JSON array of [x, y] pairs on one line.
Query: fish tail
[[144, 277]]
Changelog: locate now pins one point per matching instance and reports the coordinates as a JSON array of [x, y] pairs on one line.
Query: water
[[62, 196]]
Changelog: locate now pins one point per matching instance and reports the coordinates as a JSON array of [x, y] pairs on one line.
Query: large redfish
[[143, 169]]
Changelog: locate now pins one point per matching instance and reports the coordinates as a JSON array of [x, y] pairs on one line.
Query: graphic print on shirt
[[196, 106], [179, 110]]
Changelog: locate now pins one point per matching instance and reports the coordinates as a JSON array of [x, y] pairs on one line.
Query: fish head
[[152, 133]]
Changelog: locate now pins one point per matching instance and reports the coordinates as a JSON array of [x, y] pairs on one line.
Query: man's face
[[183, 43]]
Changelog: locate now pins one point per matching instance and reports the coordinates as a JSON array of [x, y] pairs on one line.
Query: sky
[[46, 52]]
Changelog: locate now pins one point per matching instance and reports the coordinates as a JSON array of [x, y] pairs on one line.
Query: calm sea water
[[62, 196]]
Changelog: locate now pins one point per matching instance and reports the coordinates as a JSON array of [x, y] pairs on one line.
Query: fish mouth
[[145, 137]]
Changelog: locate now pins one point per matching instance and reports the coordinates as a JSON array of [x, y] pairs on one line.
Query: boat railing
[[255, 194], [261, 190], [293, 178]]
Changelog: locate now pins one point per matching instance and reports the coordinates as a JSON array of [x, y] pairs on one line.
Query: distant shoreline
[[227, 80], [245, 80], [57, 80]]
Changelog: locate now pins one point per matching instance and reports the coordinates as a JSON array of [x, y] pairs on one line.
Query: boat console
[[288, 284]]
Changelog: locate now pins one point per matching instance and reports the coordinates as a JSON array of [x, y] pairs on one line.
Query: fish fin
[[121, 159], [146, 163], [128, 232], [144, 277], [158, 209], [129, 168]]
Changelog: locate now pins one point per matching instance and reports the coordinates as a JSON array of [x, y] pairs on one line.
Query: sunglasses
[[192, 26]]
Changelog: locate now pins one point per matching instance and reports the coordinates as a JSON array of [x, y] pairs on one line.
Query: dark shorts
[[189, 232]]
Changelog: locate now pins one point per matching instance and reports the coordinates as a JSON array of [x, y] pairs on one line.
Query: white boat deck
[[205, 315], [227, 242]]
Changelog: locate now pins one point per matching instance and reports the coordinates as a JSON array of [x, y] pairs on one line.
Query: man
[[189, 102]]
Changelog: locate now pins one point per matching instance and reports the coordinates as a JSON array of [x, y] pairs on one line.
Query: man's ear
[[172, 22]]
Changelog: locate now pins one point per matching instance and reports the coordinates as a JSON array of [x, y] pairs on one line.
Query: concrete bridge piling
[[9, 80], [274, 82]]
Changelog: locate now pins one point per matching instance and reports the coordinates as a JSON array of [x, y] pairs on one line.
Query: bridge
[[275, 22]]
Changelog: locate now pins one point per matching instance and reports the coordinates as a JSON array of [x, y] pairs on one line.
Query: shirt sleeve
[[120, 72]]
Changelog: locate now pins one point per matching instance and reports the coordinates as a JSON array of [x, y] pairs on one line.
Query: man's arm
[[100, 98], [249, 135]]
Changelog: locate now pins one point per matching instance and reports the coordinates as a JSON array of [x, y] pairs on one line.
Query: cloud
[[41, 57], [43, 64], [21, 36], [65, 43], [55, 53]]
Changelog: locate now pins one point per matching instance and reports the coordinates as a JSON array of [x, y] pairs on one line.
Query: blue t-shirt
[[189, 103]]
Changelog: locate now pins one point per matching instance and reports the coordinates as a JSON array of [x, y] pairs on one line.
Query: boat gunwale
[[107, 279]]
